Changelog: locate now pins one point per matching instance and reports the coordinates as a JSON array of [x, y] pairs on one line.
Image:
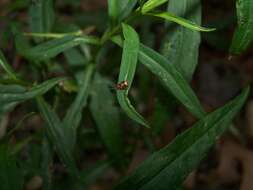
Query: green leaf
[[118, 10], [106, 116], [127, 72], [74, 113], [170, 166], [21, 43], [7, 67], [56, 134], [113, 9], [151, 4], [181, 21], [7, 107], [54, 47], [90, 175], [77, 61], [172, 79], [15, 93], [11, 176], [127, 8], [117, 40], [170, 76], [243, 35], [181, 46], [41, 16], [47, 157]]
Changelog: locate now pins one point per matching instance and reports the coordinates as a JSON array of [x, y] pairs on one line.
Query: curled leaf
[[127, 72]]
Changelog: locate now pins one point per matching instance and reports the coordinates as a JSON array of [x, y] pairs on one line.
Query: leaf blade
[[172, 79], [151, 4], [41, 16], [126, 10], [243, 35], [15, 93], [55, 132], [181, 21], [106, 116], [93, 173], [164, 167], [74, 114], [7, 67], [113, 9], [127, 72], [9, 170], [170, 76], [118, 10], [54, 47], [181, 46]]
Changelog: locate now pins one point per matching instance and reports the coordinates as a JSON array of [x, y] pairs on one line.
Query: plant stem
[[109, 33], [53, 35]]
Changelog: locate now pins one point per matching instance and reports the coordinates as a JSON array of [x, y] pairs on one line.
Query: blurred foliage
[[86, 84]]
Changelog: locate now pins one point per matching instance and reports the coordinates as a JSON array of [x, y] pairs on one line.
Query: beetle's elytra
[[122, 85]]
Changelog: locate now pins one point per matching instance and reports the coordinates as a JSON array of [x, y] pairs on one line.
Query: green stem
[[53, 35], [109, 33]]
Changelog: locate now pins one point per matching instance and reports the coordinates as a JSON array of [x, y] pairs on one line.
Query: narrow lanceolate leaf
[[127, 8], [7, 67], [103, 109], [169, 166], [181, 46], [7, 107], [172, 79], [56, 134], [74, 113], [11, 176], [41, 16], [127, 72], [47, 155], [181, 21], [113, 9], [118, 10], [14, 93], [170, 76], [243, 35], [21, 43], [95, 172], [151, 4], [76, 61], [54, 47]]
